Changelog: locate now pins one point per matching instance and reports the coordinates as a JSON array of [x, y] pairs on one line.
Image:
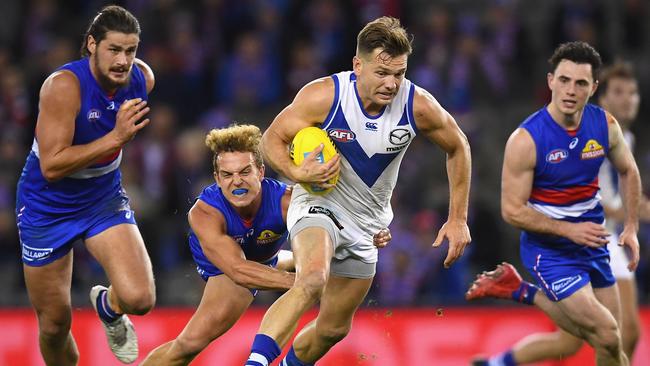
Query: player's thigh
[[222, 304], [121, 252], [312, 246], [48, 287], [586, 311], [341, 299]]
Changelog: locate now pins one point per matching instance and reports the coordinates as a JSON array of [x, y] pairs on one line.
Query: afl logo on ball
[[399, 136], [93, 115]]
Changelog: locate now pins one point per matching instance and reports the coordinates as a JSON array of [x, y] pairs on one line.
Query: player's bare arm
[[516, 187], [210, 228], [621, 158], [441, 128], [309, 108], [58, 108], [148, 74]]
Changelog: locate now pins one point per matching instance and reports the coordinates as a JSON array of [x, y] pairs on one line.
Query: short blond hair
[[235, 138]]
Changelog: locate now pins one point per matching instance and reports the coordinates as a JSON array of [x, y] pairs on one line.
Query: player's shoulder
[[62, 86], [147, 72], [427, 111], [315, 98]]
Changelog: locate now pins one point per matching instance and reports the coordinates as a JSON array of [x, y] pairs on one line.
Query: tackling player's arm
[[630, 182], [210, 228], [441, 128], [516, 186], [59, 104], [309, 108]]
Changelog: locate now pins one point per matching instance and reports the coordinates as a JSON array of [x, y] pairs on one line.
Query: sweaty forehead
[[234, 161]]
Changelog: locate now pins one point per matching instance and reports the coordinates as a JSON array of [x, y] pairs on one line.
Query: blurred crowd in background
[[219, 61]]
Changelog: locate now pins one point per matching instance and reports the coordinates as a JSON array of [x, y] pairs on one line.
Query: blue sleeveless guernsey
[[260, 241], [52, 215], [96, 118], [565, 187]]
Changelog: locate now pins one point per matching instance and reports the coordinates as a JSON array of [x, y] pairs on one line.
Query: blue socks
[[263, 351], [504, 359], [291, 360], [525, 294], [106, 314]]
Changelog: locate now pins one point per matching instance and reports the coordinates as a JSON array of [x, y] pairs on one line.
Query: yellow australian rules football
[[305, 141]]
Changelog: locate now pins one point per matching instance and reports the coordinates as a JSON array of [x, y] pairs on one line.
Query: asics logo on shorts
[[564, 284], [32, 254], [326, 212]]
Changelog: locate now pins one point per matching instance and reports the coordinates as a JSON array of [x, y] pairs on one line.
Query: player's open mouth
[[239, 191]]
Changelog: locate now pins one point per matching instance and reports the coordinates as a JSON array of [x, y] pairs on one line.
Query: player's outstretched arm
[[516, 187], [210, 227], [309, 108], [630, 182], [59, 105], [441, 128]]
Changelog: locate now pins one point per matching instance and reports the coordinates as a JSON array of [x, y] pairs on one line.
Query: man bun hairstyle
[[110, 18]]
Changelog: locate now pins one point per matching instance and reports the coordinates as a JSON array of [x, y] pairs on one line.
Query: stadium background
[[218, 61]]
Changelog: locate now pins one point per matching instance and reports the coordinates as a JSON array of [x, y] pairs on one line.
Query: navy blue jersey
[[261, 239], [565, 185], [96, 183]]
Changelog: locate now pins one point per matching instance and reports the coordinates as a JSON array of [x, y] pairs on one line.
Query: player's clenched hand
[[586, 233], [457, 234], [313, 172], [126, 121], [628, 238], [382, 238]]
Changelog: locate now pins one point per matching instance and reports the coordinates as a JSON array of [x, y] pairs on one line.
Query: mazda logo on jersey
[[399, 136], [341, 135]]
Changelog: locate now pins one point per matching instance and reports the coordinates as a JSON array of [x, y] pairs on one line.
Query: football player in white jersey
[[371, 114]]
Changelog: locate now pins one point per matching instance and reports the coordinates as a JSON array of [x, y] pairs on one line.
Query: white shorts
[[350, 241], [618, 259]]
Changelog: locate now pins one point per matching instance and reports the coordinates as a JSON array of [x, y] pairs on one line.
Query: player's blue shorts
[[206, 269], [46, 238], [562, 271]]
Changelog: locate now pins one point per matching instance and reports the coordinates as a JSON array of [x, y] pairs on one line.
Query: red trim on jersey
[[247, 223], [107, 158], [572, 133], [567, 195]]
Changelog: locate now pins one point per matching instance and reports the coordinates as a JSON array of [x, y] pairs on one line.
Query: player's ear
[[594, 88], [262, 170], [356, 65], [91, 44]]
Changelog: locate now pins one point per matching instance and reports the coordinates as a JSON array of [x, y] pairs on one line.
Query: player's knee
[[312, 283], [332, 335], [608, 338], [185, 347], [138, 302], [55, 327]]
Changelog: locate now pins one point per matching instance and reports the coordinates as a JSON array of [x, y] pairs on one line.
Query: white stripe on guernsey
[[284, 362], [256, 357], [535, 268], [560, 212], [89, 172]]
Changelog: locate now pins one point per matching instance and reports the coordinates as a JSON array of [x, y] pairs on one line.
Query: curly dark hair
[[578, 52]]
